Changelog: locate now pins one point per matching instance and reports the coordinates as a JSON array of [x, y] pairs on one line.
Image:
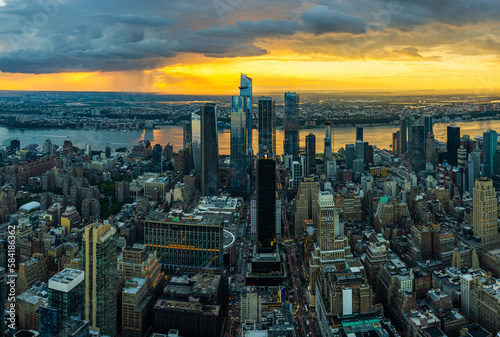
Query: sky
[[200, 46]]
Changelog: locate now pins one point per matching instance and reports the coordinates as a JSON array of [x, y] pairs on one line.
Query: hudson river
[[381, 136]]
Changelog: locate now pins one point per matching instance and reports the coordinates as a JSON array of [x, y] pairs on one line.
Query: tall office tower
[[489, 146], [305, 204], [266, 203], [360, 150], [431, 154], [88, 149], [485, 213], [326, 220], [310, 154], [195, 141], [328, 140], [100, 265], [496, 168], [209, 150], [291, 124], [473, 168], [107, 151], [246, 90], [452, 144], [66, 301], [349, 155], [184, 240], [267, 125], [417, 148], [426, 121], [402, 134], [158, 158], [396, 147], [359, 133], [239, 151]]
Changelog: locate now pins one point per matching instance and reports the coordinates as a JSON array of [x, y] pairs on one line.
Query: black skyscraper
[[266, 203], [402, 135], [209, 150], [267, 125], [416, 148], [452, 144], [426, 121], [310, 154], [359, 133]]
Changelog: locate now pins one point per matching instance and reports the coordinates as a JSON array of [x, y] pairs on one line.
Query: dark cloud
[[321, 20], [93, 35]]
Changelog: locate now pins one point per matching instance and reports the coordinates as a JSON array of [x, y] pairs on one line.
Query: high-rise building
[[158, 158], [417, 148], [185, 240], [246, 90], [395, 143], [402, 134], [209, 150], [360, 150], [66, 299], [291, 123], [107, 151], [349, 156], [426, 121], [266, 203], [305, 204], [310, 154], [485, 213], [328, 140], [452, 144], [359, 133], [239, 151], [267, 125], [194, 139], [325, 220], [100, 265], [489, 147], [431, 154]]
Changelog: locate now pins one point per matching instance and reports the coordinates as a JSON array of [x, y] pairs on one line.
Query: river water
[[381, 136]]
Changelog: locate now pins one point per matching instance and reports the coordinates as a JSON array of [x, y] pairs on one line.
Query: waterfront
[[381, 136]]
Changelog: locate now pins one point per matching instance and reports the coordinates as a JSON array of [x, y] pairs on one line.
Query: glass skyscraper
[[246, 90], [489, 146], [196, 139], [291, 124], [310, 154], [239, 150], [267, 125], [209, 150], [328, 139]]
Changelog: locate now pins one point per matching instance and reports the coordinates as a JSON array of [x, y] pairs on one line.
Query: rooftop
[[67, 279]]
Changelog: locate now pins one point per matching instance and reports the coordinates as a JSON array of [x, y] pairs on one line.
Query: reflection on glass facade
[[267, 125], [266, 203], [291, 123], [239, 150], [196, 139], [328, 139], [246, 90], [209, 150]]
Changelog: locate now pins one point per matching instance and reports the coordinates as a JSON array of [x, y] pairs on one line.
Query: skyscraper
[[326, 221], [402, 135], [239, 151], [291, 123], [489, 146], [349, 155], [426, 121], [496, 168], [266, 203], [485, 213], [395, 143], [209, 150], [452, 144], [66, 303], [246, 90], [417, 148], [328, 139], [267, 125], [196, 139], [359, 133], [431, 154], [158, 158], [100, 266], [310, 154]]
